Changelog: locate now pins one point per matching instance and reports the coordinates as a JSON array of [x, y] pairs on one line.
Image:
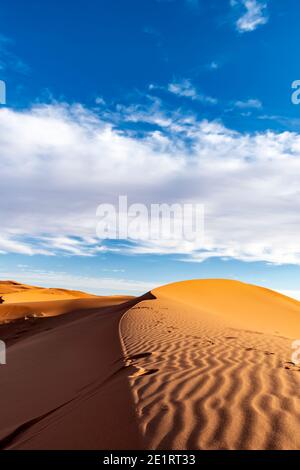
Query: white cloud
[[58, 162], [93, 285], [254, 16], [214, 65], [251, 103], [100, 101], [185, 88]]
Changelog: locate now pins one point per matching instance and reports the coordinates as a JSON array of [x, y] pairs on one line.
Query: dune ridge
[[213, 367]]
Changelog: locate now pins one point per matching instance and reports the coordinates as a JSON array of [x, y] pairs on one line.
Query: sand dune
[[65, 383], [15, 292], [193, 365], [213, 367], [23, 301]]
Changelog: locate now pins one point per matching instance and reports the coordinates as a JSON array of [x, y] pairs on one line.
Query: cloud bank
[[58, 162]]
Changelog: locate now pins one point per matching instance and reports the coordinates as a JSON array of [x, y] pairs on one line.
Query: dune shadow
[[63, 386]]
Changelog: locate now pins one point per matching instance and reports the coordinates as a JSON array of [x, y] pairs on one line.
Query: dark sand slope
[[213, 367], [65, 384]]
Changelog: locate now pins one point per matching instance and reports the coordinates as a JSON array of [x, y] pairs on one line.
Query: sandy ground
[[213, 367], [65, 384], [192, 365]]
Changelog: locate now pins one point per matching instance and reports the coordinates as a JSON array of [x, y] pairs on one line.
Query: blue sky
[[161, 100]]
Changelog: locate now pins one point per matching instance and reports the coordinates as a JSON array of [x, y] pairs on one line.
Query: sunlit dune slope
[[245, 305], [15, 292], [24, 301], [214, 366]]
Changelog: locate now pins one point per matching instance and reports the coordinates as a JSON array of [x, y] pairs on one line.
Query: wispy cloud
[[254, 15], [186, 89], [251, 103], [151, 31], [99, 100], [8, 59], [214, 65], [92, 284]]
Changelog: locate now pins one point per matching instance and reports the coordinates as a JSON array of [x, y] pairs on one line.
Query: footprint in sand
[[140, 371], [291, 366]]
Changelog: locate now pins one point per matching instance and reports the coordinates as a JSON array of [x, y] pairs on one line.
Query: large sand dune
[[214, 367], [193, 365]]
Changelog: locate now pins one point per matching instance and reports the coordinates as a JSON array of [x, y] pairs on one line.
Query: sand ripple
[[209, 385]]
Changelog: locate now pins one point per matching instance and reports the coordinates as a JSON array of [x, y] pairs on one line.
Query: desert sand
[[24, 301], [64, 384], [15, 292], [214, 367], [200, 364]]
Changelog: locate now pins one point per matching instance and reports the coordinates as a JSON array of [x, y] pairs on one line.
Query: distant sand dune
[[23, 301], [15, 292], [213, 367]]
